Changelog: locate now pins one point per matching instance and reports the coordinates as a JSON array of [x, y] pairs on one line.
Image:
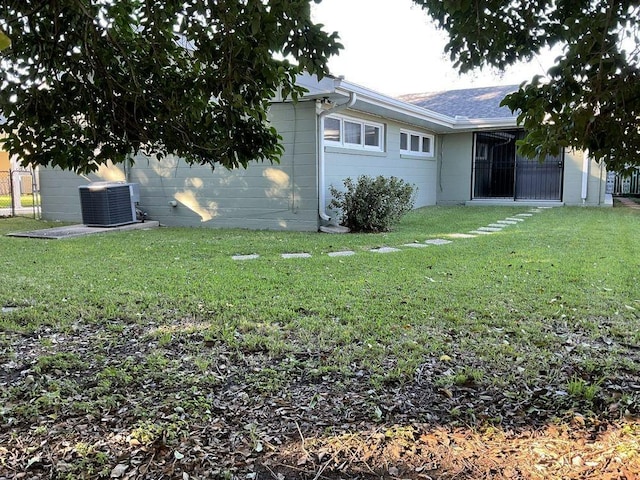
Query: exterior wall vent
[[108, 204]]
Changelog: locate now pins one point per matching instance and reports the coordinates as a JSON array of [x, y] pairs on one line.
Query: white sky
[[393, 47]]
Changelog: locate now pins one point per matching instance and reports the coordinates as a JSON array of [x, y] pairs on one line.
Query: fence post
[[16, 203]]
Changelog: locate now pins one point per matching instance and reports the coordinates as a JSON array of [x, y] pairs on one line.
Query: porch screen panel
[[536, 180], [494, 164]]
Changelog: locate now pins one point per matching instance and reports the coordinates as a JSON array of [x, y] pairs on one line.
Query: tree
[[91, 81], [590, 99]]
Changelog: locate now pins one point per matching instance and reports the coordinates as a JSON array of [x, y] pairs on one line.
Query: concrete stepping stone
[[513, 219], [253, 256], [496, 225], [524, 215], [415, 245], [345, 253], [490, 229], [507, 222], [385, 250], [461, 235], [437, 241], [481, 232], [296, 255]]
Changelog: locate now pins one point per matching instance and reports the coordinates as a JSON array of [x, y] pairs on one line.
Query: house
[[457, 147]]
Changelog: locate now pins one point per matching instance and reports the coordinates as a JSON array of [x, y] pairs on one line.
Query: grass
[[25, 201], [516, 328]]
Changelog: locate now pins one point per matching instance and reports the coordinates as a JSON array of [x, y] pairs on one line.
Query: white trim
[[421, 139], [361, 145], [334, 89]]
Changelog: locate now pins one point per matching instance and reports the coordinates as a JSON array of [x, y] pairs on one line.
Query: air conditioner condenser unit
[[109, 204]]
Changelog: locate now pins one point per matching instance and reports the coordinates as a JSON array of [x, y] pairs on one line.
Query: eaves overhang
[[374, 103]]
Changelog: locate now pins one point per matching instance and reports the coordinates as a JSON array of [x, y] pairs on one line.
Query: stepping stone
[[496, 225], [296, 255], [507, 222], [490, 229], [346, 253], [385, 250], [437, 241], [512, 219], [480, 232], [461, 235], [245, 257], [415, 245], [524, 215]]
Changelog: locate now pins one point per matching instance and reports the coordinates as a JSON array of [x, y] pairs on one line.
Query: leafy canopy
[[91, 81], [590, 99]]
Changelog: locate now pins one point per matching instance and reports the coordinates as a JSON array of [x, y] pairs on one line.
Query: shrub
[[373, 204]]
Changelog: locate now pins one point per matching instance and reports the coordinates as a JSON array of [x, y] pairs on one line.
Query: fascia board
[[395, 105], [469, 124], [334, 88]]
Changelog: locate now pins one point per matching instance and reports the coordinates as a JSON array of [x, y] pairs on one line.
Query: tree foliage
[[590, 99], [91, 81]]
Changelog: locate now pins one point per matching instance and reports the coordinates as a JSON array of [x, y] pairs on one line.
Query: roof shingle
[[473, 103]]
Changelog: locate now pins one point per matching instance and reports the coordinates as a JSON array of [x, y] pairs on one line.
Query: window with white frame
[[353, 133], [415, 143]]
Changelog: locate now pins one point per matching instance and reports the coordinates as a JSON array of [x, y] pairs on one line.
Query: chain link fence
[[19, 193]]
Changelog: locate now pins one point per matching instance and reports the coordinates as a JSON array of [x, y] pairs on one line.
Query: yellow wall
[[4, 161]]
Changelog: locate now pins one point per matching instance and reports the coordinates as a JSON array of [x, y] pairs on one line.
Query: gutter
[[321, 156]]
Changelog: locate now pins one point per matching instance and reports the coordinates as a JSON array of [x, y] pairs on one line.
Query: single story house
[[457, 147]]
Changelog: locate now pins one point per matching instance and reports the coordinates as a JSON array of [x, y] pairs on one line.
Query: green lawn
[[25, 201], [125, 348]]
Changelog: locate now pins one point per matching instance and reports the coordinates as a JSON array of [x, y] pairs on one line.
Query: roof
[[425, 110], [476, 103]]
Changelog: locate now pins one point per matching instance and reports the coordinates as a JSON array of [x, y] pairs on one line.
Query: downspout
[[321, 157], [585, 176]]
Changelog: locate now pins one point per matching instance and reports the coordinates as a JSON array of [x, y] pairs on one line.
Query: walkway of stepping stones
[[498, 226]]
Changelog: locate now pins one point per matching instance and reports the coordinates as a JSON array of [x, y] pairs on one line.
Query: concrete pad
[[345, 253], [72, 231], [296, 255], [385, 250], [437, 241], [415, 245], [339, 229], [253, 256]]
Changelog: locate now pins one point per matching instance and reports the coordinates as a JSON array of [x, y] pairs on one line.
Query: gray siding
[[596, 183], [346, 162], [455, 174], [454, 168], [59, 192], [263, 196]]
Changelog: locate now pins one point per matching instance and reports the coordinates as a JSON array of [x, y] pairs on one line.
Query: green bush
[[373, 204]]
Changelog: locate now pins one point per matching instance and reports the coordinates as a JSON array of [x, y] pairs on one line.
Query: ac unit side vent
[[108, 205]]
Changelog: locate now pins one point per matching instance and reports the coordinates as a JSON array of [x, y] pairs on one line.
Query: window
[[352, 133], [415, 143], [332, 129]]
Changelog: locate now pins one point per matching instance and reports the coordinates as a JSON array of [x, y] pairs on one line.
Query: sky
[[393, 47]]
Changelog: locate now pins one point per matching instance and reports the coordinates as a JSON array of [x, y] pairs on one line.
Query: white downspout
[[586, 161], [321, 160]]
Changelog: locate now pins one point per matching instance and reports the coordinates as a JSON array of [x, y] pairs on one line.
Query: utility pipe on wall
[[321, 157], [586, 162]]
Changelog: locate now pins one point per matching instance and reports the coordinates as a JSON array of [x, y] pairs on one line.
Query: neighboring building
[[457, 147]]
